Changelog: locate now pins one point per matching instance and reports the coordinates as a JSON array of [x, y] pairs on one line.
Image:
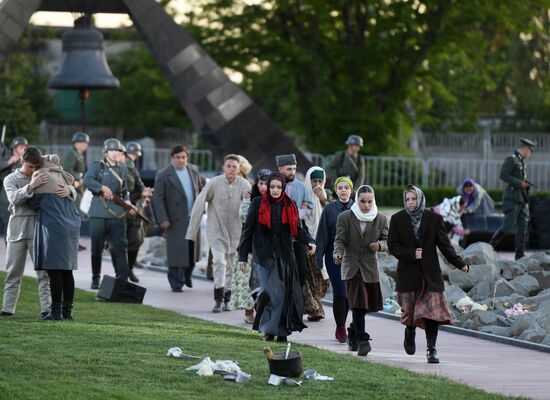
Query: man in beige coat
[[223, 195]]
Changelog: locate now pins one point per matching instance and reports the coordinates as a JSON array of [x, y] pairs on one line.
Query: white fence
[[380, 171]]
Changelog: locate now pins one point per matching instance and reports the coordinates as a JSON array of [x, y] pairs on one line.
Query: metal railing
[[380, 171]]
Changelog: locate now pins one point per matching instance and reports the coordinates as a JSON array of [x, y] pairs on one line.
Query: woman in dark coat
[[414, 236], [360, 233], [270, 227], [56, 236], [326, 232]]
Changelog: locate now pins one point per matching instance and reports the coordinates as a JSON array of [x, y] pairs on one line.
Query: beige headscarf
[[56, 175]]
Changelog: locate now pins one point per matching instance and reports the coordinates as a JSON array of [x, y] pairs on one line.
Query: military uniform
[[108, 219], [5, 170], [135, 227], [75, 164], [344, 164], [514, 200]]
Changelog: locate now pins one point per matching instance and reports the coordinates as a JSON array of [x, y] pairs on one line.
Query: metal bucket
[[290, 367]]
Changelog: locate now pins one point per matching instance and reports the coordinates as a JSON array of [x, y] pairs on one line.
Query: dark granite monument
[[226, 117]]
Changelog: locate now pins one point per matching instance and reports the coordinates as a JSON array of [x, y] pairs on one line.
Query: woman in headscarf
[[244, 282], [326, 233], [360, 233], [270, 227], [56, 236], [316, 282], [477, 199], [414, 237]]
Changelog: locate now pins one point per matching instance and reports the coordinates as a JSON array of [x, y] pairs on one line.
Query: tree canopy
[[323, 69]]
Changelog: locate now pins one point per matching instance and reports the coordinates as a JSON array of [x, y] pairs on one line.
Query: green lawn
[[118, 351]]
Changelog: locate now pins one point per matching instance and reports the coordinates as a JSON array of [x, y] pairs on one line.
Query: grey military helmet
[[80, 137], [354, 140], [112, 144], [17, 141], [133, 148]]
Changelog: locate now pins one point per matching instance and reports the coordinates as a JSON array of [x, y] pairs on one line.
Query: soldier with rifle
[[516, 196], [107, 179]]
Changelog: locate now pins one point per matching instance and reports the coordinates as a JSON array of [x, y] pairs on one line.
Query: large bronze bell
[[83, 64]]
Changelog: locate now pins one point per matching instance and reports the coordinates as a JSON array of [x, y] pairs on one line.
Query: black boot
[[132, 257], [55, 312], [132, 276], [409, 343], [363, 346], [67, 310], [96, 272], [226, 300], [187, 277], [218, 300], [432, 356], [352, 339]]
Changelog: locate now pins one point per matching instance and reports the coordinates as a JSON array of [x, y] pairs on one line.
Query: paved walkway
[[487, 365]]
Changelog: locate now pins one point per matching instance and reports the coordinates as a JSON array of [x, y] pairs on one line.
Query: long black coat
[[402, 243], [259, 236]]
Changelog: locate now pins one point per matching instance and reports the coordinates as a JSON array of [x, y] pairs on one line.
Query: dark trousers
[[114, 230], [177, 275], [301, 261], [61, 285], [514, 215]]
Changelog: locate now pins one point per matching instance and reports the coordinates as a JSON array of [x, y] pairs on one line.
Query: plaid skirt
[[416, 306], [363, 295]]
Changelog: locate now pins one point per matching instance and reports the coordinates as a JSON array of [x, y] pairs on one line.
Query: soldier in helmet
[[106, 178], [135, 228], [515, 196], [74, 162], [7, 166], [348, 162]]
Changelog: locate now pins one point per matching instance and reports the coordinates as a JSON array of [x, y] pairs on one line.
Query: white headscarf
[[371, 215], [312, 220]]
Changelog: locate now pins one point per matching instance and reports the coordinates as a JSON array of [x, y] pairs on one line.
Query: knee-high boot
[[96, 272]]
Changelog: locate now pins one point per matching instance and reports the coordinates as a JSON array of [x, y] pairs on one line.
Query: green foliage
[[325, 69], [145, 101], [24, 100], [117, 351]]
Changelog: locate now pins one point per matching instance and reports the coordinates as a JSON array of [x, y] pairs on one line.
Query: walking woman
[[317, 281], [270, 227], [326, 233], [57, 232], [414, 236], [244, 282], [360, 233]]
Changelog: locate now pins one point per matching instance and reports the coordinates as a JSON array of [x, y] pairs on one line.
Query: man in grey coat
[[176, 188]]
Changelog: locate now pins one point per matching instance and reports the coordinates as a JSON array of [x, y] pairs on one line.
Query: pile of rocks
[[498, 296]]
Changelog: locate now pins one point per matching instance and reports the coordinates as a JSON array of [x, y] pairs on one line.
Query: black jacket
[[402, 243], [268, 243]]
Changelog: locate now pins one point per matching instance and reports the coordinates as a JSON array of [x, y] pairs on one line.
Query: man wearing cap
[[348, 163], [74, 162], [515, 196], [7, 166], [106, 178], [296, 190]]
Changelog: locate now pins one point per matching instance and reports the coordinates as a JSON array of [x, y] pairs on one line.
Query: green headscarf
[[343, 179]]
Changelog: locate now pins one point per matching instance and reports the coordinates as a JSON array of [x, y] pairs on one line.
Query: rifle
[[531, 184], [118, 200]]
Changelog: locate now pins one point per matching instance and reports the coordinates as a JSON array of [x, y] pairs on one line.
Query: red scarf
[[289, 212]]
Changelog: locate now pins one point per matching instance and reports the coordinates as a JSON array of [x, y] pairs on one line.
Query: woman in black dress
[[414, 236], [270, 227]]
